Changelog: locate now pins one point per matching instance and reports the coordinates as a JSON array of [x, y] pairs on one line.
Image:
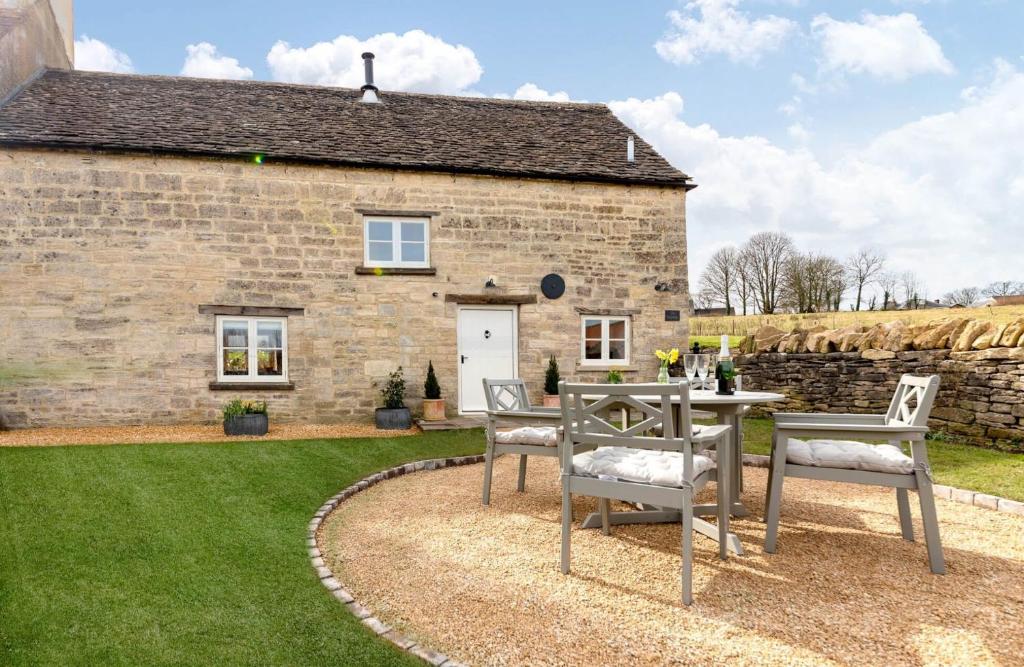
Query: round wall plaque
[[552, 286]]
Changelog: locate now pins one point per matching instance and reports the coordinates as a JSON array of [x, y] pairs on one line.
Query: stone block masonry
[[980, 400], [105, 260]]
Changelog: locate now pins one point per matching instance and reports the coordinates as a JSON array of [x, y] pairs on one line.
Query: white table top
[[709, 397]]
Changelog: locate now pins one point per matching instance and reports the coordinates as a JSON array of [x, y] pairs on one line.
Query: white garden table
[[729, 410]]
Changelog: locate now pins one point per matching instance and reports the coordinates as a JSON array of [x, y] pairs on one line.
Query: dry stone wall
[[981, 365]]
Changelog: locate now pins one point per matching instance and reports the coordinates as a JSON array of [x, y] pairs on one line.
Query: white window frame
[[253, 376], [396, 242], [605, 321]]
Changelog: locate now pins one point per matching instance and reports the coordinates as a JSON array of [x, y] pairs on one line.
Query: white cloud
[[202, 60], [798, 133], [941, 194], [888, 47], [530, 91], [414, 61], [720, 28], [92, 54]]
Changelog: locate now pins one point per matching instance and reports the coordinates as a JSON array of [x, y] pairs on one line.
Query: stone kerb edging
[[365, 615], [336, 588], [965, 496]]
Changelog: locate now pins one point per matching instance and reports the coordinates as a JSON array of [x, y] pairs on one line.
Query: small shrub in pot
[[394, 415], [433, 404], [551, 380], [246, 418]]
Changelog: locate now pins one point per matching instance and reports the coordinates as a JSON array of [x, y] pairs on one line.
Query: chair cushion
[[849, 455], [546, 436], [644, 466]]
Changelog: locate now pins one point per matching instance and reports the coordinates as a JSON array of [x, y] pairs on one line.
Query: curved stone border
[[332, 584], [433, 657], [965, 496]]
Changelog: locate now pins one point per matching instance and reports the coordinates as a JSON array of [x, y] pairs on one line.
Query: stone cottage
[[167, 244]]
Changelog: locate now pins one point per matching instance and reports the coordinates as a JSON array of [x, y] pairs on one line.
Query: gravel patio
[[483, 585]]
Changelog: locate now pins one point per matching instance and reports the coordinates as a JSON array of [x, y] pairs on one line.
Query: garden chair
[[832, 456], [663, 471], [535, 433]]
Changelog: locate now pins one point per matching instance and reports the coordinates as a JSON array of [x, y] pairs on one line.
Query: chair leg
[[521, 486], [768, 488], [906, 524], [566, 523], [687, 570], [724, 484], [931, 523], [605, 506], [488, 469], [774, 504]]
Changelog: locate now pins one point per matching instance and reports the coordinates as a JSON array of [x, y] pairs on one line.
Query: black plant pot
[[246, 425], [393, 419]]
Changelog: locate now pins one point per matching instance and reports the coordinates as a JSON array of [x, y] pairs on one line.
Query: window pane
[[269, 362], [378, 231], [593, 349], [236, 362], [617, 349], [236, 334], [268, 334], [592, 329], [413, 231], [617, 329], [380, 251], [414, 252]]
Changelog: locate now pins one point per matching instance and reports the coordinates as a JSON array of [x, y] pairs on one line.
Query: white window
[[252, 349], [605, 340], [401, 242]]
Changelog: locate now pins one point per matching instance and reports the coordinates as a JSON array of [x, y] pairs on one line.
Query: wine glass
[[690, 366], [712, 365], [702, 368]]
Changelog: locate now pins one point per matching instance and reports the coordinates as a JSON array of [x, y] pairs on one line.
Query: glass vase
[[663, 375]]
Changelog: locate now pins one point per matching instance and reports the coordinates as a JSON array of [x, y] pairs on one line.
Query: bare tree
[[911, 288], [862, 268], [703, 300], [744, 289], [1003, 288], [963, 296], [720, 276], [813, 283], [765, 255], [888, 282]]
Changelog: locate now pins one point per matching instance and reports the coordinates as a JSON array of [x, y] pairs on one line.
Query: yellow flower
[[670, 357]]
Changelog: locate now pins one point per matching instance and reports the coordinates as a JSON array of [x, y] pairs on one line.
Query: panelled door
[[487, 348]]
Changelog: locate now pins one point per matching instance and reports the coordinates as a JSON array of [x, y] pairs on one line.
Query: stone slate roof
[[316, 124]]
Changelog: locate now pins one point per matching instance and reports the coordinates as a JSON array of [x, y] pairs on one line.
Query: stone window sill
[[394, 271], [252, 386]]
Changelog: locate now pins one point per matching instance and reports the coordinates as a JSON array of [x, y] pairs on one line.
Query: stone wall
[[980, 400], [105, 259]]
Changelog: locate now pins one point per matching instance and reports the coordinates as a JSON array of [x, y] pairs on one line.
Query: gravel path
[[482, 584], [108, 435]]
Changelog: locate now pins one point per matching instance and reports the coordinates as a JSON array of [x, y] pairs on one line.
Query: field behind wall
[[740, 325]]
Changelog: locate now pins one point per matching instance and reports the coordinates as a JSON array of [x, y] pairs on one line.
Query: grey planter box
[[394, 419], [247, 425]]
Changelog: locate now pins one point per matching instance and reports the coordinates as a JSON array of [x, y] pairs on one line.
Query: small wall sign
[[552, 286], [671, 315]]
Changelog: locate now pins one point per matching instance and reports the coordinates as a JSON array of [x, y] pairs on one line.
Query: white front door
[[487, 342]]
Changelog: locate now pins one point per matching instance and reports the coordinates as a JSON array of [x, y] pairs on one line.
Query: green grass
[[194, 553], [182, 554], [714, 341], [963, 466]]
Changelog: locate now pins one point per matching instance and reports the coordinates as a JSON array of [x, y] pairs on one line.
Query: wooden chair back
[[506, 395], [911, 405]]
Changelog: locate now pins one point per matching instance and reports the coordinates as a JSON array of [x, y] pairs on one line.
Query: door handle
[[463, 358]]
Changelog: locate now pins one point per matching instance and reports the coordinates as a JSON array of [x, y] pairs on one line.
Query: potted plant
[[394, 415], [433, 404], [551, 379], [245, 418], [614, 377], [667, 359]]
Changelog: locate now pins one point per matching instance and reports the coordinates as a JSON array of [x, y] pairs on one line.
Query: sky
[[897, 124]]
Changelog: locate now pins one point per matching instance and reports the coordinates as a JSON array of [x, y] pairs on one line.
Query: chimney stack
[[33, 34], [369, 90]]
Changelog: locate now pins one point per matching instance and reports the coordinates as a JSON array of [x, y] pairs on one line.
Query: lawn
[[194, 553], [182, 554]]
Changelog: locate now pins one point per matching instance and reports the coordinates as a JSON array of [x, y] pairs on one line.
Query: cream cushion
[[643, 466], [546, 436], [849, 455]]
